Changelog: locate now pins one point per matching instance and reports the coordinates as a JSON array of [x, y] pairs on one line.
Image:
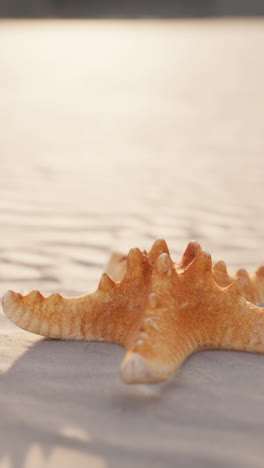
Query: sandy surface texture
[[113, 134]]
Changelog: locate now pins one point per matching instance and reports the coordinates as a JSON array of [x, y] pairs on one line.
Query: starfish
[[159, 311]]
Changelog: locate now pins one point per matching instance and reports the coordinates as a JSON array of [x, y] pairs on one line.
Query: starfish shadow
[[49, 399]]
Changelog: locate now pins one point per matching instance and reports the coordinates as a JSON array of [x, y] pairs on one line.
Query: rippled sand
[[113, 134]]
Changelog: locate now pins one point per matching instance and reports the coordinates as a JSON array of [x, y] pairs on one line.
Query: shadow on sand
[[48, 393]]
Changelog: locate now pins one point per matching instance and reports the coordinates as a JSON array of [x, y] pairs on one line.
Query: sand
[[113, 134]]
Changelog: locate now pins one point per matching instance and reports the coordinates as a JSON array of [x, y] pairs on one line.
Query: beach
[[113, 134]]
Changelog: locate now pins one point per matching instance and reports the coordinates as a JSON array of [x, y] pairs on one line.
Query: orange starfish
[[160, 311]]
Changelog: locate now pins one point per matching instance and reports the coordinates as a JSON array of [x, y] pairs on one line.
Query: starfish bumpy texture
[[158, 310]]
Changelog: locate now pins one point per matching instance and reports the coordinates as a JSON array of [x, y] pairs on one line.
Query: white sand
[[113, 134]]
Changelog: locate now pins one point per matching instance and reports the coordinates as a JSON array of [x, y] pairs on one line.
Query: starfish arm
[[160, 346], [73, 318], [109, 314], [164, 340], [240, 325], [252, 286]]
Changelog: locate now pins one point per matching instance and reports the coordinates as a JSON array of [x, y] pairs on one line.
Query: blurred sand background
[[113, 134]]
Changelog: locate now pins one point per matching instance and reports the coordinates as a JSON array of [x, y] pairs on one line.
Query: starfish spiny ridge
[[158, 310]]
